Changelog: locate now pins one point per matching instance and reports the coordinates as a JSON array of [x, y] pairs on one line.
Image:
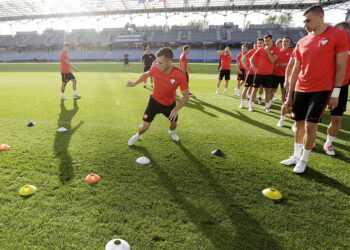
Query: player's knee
[[311, 127]]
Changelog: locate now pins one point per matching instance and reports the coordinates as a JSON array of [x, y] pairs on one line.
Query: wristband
[[336, 92]]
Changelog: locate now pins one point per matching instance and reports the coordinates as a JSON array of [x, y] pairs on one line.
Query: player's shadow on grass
[[248, 234], [240, 116], [62, 140], [195, 105], [312, 174]]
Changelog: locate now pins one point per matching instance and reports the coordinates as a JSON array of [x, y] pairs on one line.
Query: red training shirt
[[65, 68], [264, 65], [165, 85], [225, 61], [317, 54], [184, 61], [239, 57], [347, 77], [248, 56], [283, 57]]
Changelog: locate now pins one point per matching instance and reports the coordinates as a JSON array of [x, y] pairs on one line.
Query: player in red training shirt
[[241, 71], [317, 77], [167, 78], [184, 64], [337, 113], [263, 68], [66, 72], [226, 57]]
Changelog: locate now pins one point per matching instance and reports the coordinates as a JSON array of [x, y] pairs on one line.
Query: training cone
[[62, 129], [4, 147], [272, 193], [143, 160], [92, 178], [218, 152], [27, 190], [117, 244], [31, 124]]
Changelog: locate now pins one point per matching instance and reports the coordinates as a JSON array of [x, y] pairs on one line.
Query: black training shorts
[[310, 106], [225, 73], [249, 81], [66, 77], [277, 80], [343, 100], [263, 80], [154, 108], [241, 77]]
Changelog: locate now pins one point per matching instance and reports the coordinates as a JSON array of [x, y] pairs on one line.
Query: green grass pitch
[[186, 198]]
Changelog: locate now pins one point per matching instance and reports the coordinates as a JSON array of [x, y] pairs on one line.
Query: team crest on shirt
[[172, 81], [324, 41]]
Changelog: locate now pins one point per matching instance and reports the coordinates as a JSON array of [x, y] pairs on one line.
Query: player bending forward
[[167, 78]]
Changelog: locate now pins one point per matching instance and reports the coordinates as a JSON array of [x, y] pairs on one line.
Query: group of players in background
[[314, 74]]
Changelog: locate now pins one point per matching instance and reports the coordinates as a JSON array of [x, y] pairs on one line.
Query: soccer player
[[337, 113], [279, 43], [263, 67], [184, 63], [225, 70], [245, 60], [147, 60], [281, 63], [66, 72], [240, 69], [167, 78], [126, 60], [319, 71]]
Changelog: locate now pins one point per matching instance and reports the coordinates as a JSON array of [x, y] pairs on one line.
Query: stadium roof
[[13, 10]]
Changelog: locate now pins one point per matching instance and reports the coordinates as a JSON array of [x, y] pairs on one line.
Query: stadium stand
[[112, 43]]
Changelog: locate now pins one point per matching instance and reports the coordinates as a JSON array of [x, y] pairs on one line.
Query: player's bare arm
[[293, 81], [141, 79], [341, 61], [184, 100], [271, 57]]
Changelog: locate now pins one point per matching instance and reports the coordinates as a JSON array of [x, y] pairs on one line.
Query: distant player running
[[184, 63], [167, 78], [241, 71], [324, 48], [147, 60], [226, 57], [338, 112], [66, 72]]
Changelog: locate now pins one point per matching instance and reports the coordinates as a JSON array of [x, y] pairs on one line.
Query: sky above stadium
[[332, 16]]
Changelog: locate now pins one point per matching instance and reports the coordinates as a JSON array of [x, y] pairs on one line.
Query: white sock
[[283, 117], [62, 94], [330, 140], [298, 149], [75, 92], [242, 101], [225, 89], [217, 89], [305, 155], [171, 131], [251, 104], [259, 96]]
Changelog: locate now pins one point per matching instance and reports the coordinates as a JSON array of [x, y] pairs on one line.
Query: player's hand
[[173, 114], [333, 103], [130, 84], [267, 49]]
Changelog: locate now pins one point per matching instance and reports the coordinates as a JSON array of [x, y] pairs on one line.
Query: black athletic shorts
[[154, 108], [277, 80], [249, 81], [146, 68], [310, 106], [263, 80], [241, 77], [343, 99], [66, 77], [226, 73]]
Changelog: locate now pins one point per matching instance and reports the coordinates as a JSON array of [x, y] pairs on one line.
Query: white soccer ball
[[117, 244]]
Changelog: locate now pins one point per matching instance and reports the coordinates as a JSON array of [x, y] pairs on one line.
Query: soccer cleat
[[64, 98], [259, 100], [251, 108], [133, 139], [174, 136], [241, 106], [267, 109], [225, 92], [76, 96], [294, 127], [217, 92], [290, 161], [300, 167], [329, 150], [280, 123]]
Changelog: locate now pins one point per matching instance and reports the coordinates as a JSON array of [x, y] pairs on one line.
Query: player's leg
[[336, 117], [247, 84], [74, 85], [166, 110], [151, 79], [218, 83], [252, 98], [226, 86], [63, 86], [261, 92]]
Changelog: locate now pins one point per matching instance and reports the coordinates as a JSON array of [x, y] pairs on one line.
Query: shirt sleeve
[[342, 44], [183, 83], [297, 52]]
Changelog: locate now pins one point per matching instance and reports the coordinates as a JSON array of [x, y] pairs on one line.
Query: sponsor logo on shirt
[[172, 81], [324, 41]]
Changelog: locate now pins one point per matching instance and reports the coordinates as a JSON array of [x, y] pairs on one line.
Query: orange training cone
[[92, 178], [4, 147]]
